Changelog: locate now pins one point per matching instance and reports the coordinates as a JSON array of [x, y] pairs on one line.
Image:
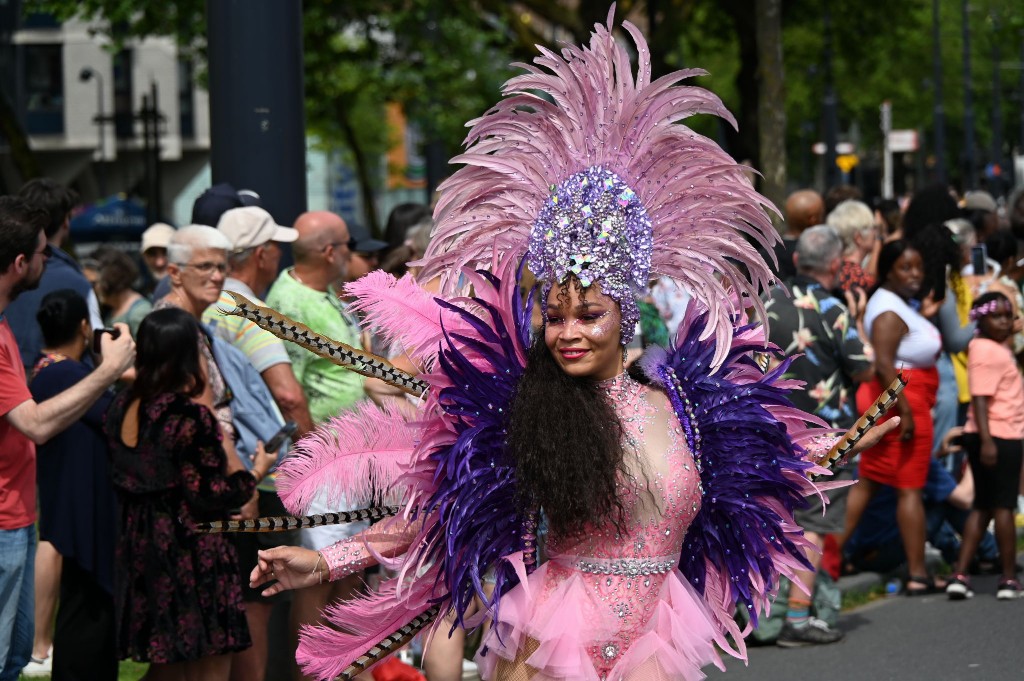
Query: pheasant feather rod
[[285, 523], [361, 362], [389, 645], [841, 449]]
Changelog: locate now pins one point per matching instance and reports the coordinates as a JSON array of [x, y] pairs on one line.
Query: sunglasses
[[350, 244]]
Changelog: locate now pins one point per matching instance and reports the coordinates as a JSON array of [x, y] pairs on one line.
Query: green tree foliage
[[444, 62]]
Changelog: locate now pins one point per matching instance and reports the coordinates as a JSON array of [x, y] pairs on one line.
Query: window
[[124, 116], [44, 89], [39, 20]]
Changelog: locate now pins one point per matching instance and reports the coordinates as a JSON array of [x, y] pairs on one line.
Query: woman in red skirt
[[903, 341]]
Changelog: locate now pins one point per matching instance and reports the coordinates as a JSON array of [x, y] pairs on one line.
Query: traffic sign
[[902, 140]]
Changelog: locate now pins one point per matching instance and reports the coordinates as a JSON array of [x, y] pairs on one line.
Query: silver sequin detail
[[627, 567]]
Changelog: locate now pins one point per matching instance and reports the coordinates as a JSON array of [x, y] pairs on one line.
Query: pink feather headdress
[[582, 117]]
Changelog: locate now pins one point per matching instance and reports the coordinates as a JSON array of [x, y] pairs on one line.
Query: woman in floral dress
[[178, 596]]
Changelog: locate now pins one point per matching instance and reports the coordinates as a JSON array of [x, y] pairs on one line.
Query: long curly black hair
[[567, 442], [941, 256]]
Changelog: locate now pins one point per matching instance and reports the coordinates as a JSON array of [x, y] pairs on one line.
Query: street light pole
[[831, 117], [997, 111], [940, 113], [85, 75], [1020, 138], [970, 176]]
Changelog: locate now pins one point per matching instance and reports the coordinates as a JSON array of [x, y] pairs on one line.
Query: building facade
[[106, 122]]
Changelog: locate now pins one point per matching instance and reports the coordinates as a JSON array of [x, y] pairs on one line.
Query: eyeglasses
[[207, 268], [350, 244]]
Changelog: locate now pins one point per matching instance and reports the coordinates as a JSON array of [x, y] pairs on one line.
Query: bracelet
[[316, 568]]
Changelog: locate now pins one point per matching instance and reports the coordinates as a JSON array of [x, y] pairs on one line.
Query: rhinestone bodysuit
[[660, 497]]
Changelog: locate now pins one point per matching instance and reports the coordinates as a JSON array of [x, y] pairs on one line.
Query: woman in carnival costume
[[668, 497]]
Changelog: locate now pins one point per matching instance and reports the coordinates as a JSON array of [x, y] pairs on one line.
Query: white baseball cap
[[158, 235], [252, 226]]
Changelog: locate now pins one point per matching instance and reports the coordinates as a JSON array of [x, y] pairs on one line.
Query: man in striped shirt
[[252, 266]]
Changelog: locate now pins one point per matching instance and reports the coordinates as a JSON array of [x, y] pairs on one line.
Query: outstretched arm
[[294, 568]]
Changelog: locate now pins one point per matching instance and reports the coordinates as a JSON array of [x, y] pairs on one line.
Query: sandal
[[926, 586]]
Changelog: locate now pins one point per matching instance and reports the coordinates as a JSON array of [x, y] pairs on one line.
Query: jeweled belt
[[620, 567]]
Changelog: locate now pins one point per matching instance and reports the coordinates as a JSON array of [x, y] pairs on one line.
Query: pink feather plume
[[349, 459], [359, 623], [402, 313], [708, 220]]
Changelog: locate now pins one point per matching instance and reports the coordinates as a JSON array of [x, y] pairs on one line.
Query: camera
[[97, 338]]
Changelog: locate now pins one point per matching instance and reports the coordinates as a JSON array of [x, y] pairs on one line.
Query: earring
[[624, 355]]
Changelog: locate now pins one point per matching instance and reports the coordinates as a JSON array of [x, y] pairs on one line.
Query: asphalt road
[[926, 638]]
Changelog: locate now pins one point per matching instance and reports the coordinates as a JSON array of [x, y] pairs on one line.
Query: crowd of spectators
[[904, 284], [127, 450]]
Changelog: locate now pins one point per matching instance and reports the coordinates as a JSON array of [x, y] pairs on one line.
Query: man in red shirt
[[25, 423]]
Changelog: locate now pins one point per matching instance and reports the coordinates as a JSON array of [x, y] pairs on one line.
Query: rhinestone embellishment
[[628, 567]]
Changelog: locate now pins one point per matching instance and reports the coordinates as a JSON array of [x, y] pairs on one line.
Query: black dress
[[178, 594]]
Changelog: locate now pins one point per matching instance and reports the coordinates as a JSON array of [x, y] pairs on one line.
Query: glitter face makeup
[[583, 332]]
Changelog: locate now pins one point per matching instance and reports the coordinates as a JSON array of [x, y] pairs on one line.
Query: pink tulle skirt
[[565, 625]]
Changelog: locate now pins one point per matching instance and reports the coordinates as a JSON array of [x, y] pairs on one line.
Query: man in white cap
[[154, 253], [252, 266], [154, 248]]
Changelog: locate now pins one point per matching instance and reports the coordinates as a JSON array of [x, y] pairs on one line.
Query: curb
[[862, 582]]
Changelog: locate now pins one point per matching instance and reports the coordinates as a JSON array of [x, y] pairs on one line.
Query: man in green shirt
[[307, 293]]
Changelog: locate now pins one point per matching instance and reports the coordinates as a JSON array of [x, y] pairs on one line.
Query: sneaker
[[815, 632], [959, 588], [37, 667], [1008, 590]]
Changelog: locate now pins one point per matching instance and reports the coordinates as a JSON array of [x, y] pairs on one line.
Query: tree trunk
[[362, 164], [742, 144], [771, 110]]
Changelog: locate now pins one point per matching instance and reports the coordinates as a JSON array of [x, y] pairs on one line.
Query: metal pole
[[830, 105], [940, 113], [970, 170], [147, 169], [257, 110], [101, 164], [158, 194], [997, 112], [886, 110], [1020, 105]]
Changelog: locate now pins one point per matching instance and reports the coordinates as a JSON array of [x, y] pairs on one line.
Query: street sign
[[902, 140]]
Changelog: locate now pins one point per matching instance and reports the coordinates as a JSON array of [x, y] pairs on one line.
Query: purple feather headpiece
[[584, 113]]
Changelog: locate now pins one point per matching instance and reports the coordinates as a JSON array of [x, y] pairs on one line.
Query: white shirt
[[920, 347]]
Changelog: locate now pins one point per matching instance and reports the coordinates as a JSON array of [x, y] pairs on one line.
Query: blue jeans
[[17, 595], [946, 403]]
